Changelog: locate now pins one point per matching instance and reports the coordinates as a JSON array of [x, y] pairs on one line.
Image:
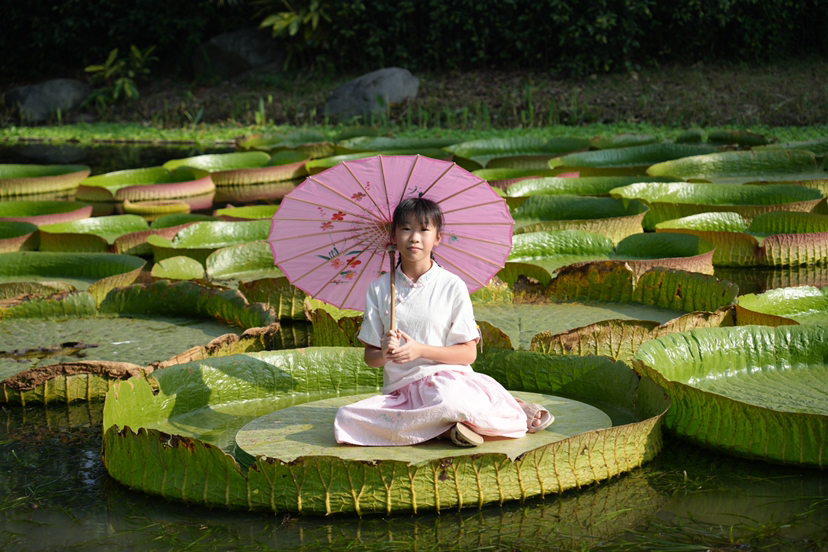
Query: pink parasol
[[331, 235]]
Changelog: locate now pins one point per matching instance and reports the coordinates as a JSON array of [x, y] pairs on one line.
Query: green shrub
[[346, 36]]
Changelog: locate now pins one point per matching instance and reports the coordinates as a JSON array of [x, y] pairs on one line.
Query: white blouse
[[436, 310]]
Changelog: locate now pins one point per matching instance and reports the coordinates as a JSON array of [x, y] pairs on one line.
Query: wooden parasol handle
[[391, 252]]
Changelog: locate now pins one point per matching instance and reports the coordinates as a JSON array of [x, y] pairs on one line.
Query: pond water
[[56, 494]]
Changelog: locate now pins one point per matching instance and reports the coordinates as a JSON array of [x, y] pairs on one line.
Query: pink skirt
[[428, 407]]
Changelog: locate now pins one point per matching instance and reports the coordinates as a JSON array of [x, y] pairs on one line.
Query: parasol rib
[[436, 180], [326, 261], [367, 193], [363, 210], [458, 270], [478, 257], [373, 254]]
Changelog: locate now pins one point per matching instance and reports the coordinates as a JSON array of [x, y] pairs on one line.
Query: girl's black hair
[[422, 209]]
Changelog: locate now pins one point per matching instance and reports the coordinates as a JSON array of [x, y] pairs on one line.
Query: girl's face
[[415, 240]]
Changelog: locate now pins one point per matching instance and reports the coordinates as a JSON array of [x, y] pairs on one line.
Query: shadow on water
[[58, 495]]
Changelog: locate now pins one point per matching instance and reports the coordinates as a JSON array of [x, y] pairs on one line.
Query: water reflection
[[58, 494]]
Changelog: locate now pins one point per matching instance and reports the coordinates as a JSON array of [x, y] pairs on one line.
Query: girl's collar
[[422, 280]]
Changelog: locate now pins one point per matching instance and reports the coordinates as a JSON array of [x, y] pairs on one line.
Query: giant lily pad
[[585, 185], [246, 168], [186, 433], [62, 348], [591, 309], [19, 181], [242, 262], [178, 268], [485, 150], [760, 279], [286, 299], [785, 306], [553, 250], [780, 238], [503, 178], [248, 212], [388, 144], [604, 309], [601, 215], [632, 156], [751, 391], [672, 200], [17, 236], [199, 240], [98, 273], [312, 143], [818, 147], [318, 165], [268, 192], [621, 141], [741, 166], [96, 234], [44, 212], [146, 184]]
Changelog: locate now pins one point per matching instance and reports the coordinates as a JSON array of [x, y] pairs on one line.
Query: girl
[[430, 388]]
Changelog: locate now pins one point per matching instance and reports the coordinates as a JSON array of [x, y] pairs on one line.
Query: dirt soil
[[791, 94], [783, 94]]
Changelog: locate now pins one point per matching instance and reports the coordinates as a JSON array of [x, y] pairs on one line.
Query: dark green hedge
[[573, 36], [43, 38], [46, 39]]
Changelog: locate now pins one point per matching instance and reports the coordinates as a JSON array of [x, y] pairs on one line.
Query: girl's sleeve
[[371, 331], [463, 325]]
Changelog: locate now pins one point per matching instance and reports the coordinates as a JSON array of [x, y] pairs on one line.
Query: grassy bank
[[787, 101]]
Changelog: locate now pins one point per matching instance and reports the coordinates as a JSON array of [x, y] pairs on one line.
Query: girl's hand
[[411, 350], [390, 342]]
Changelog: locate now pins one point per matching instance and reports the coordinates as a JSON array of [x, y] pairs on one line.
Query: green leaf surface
[[247, 212], [74, 235], [738, 163], [19, 180], [632, 156], [523, 322], [216, 162], [178, 268], [553, 250], [388, 144], [146, 184], [27, 343], [585, 185], [752, 391], [243, 262], [184, 435], [780, 238], [305, 430], [484, 150], [611, 217], [200, 239], [18, 236], [672, 200], [817, 147], [739, 137], [805, 305], [318, 165], [98, 273], [44, 212], [621, 141], [279, 294]]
